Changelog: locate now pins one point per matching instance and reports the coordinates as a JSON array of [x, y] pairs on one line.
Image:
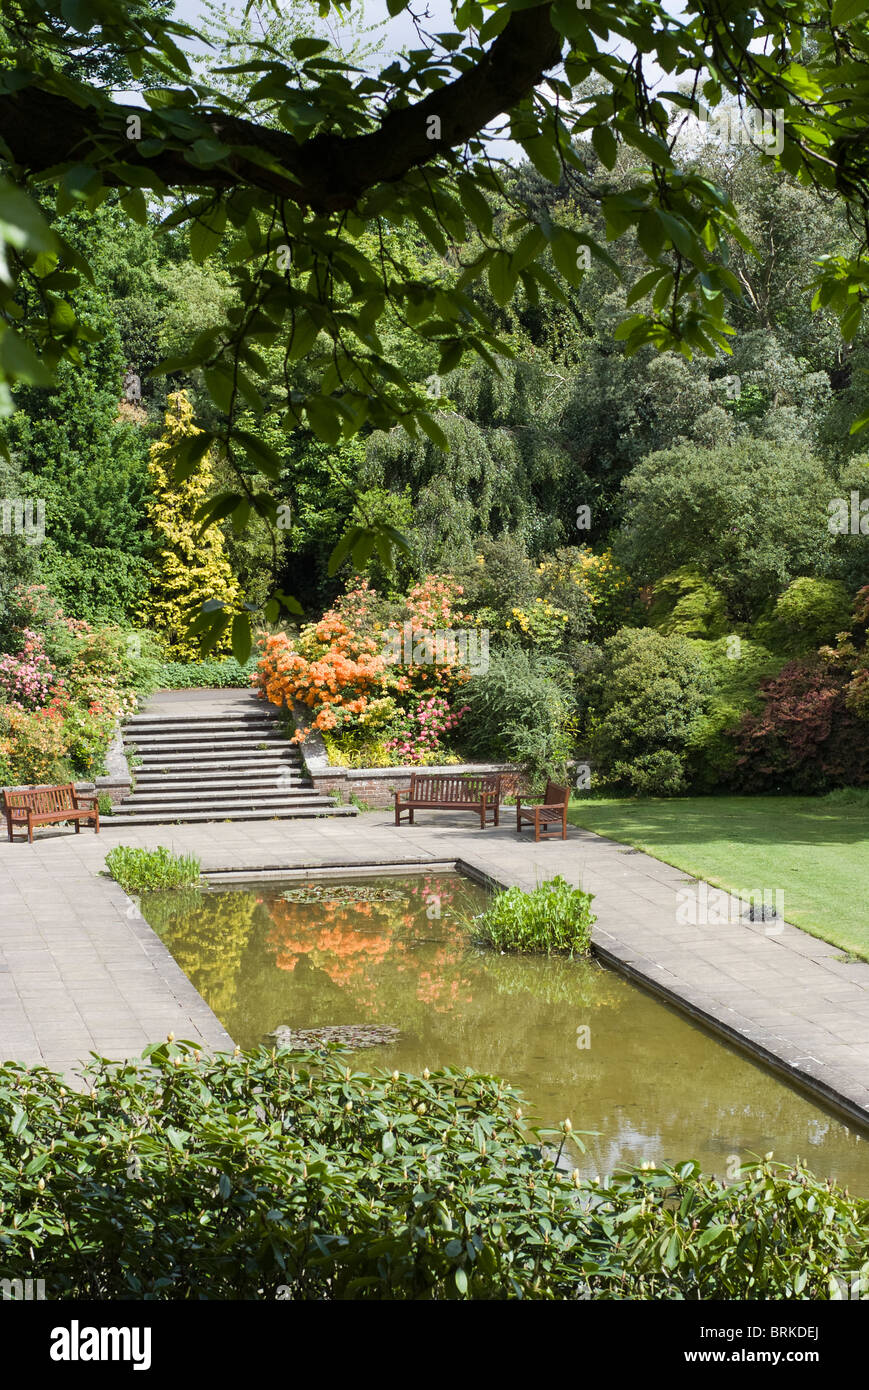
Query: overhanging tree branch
[[43, 129]]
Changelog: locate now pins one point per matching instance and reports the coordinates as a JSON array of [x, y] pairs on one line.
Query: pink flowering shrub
[[27, 677], [421, 730], [63, 685]]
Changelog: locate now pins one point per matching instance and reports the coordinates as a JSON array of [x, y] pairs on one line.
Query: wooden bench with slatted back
[[552, 812], [444, 792], [46, 805]]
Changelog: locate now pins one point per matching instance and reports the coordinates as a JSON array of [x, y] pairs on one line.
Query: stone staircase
[[214, 761]]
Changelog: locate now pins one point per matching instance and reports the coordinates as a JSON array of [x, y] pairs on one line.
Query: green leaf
[[343, 549], [451, 355], [605, 146], [671, 1256], [304, 332], [216, 508], [850, 321], [134, 203], [502, 277], [364, 547], [18, 361], [645, 285], [324, 418], [475, 205], [263, 455], [846, 10], [188, 454], [543, 153], [241, 637], [431, 428], [205, 233], [21, 222]]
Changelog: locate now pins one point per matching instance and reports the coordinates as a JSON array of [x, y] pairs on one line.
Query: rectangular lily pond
[[398, 953]]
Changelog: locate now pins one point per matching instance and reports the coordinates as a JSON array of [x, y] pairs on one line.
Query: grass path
[[816, 850]]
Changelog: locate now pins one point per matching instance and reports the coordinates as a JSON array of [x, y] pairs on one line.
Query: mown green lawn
[[814, 849]]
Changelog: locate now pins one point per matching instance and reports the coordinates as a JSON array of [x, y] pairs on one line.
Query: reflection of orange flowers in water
[[348, 942]]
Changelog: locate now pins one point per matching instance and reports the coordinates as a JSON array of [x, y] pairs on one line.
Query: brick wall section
[[375, 785]]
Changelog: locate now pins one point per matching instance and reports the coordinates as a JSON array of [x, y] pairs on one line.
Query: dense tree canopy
[[357, 210]]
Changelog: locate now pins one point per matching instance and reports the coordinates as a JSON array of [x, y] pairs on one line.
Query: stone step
[[171, 811], [202, 800], [158, 782], [212, 721], [237, 765], [188, 817], [194, 745], [230, 766], [190, 726]]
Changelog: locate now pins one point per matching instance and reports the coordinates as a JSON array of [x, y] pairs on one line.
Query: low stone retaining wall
[[372, 785], [117, 782], [375, 785]]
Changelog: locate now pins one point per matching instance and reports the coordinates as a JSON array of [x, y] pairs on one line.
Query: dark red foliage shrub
[[805, 739]]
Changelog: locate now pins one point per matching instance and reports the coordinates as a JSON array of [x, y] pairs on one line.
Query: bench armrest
[[401, 793]]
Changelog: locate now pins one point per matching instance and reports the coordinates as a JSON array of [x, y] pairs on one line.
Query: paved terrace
[[81, 971]]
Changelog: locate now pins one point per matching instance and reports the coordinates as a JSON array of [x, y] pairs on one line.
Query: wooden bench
[[552, 811], [441, 792], [45, 805]]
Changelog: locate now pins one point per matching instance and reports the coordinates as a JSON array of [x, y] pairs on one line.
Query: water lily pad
[[343, 893], [350, 1035]]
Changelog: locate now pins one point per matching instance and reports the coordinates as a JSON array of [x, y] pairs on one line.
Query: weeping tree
[[308, 167]]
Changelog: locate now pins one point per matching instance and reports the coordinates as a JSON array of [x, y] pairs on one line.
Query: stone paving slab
[[81, 971]]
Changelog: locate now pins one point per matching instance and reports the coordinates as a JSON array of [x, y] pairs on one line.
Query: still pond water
[[375, 951]]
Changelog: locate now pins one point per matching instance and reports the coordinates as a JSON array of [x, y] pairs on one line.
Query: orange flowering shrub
[[334, 666], [411, 641], [361, 668], [33, 744]]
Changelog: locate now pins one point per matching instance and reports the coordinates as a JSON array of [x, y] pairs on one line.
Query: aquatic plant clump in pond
[[353, 1036], [138, 870], [576, 1037], [553, 918]]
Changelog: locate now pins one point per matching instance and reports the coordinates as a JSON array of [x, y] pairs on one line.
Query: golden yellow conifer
[[189, 568]]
